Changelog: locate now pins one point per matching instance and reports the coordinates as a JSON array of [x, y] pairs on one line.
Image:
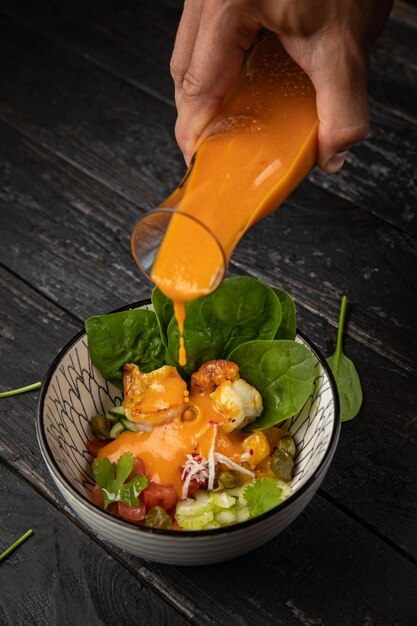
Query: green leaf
[[129, 493], [288, 326], [111, 478], [282, 371], [164, 311], [262, 495], [240, 310], [345, 373], [125, 337]]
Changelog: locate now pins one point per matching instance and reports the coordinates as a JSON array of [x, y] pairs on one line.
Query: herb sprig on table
[[15, 392]]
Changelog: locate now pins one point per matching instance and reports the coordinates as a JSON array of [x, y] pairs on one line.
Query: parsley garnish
[[111, 477], [262, 494]]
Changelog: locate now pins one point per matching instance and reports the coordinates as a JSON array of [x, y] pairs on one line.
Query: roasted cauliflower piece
[[212, 374], [239, 402]]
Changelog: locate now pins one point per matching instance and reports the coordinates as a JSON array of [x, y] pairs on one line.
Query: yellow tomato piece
[[256, 447]]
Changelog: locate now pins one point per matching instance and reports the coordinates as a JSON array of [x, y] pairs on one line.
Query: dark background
[[86, 137]]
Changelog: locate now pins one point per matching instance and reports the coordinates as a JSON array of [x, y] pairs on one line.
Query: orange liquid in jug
[[258, 148]]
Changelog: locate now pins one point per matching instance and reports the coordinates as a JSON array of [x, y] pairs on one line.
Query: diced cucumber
[[222, 500], [211, 525], [129, 425], [117, 411], [228, 516], [111, 418], [242, 514], [116, 430], [194, 522], [238, 493], [196, 506]]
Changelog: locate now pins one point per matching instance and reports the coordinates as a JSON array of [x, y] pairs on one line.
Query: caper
[[100, 427], [229, 480], [287, 444], [282, 464], [157, 517], [189, 414]]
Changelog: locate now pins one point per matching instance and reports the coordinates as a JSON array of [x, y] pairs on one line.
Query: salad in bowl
[[196, 463]]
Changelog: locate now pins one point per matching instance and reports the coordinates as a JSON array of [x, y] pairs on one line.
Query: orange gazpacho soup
[[251, 156]]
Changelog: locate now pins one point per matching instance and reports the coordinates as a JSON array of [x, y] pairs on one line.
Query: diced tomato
[[97, 496], [133, 514], [94, 445], [138, 468], [159, 495]]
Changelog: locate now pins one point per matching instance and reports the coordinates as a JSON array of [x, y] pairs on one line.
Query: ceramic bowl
[[73, 391]]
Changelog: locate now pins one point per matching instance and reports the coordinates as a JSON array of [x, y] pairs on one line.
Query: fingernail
[[335, 163]]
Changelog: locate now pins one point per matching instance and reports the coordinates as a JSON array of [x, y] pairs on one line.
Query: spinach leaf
[[288, 326], [282, 371], [240, 310], [345, 373], [125, 337], [164, 310]]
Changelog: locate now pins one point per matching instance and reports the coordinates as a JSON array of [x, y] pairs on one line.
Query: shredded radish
[[211, 460], [200, 469], [221, 458], [195, 468]]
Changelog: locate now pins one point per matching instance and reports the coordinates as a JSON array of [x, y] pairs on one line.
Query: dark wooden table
[[86, 136]]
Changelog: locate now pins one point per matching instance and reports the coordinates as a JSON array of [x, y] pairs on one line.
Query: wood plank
[[122, 41], [102, 125], [59, 572]]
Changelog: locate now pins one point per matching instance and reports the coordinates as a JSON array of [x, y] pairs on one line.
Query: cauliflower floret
[[239, 402]]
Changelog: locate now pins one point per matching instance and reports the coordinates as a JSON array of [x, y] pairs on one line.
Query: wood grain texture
[[122, 42], [59, 576]]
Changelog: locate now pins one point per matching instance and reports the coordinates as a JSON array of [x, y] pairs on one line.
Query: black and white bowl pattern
[[73, 391]]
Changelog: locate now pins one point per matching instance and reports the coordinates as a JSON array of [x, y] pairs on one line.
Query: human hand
[[330, 40]]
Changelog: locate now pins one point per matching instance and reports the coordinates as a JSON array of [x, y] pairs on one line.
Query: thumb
[[215, 65], [342, 107]]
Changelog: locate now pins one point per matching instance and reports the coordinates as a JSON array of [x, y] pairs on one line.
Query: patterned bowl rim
[[85, 502]]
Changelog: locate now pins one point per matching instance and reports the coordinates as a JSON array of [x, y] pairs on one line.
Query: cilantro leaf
[[111, 478], [262, 494]]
